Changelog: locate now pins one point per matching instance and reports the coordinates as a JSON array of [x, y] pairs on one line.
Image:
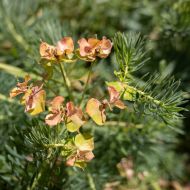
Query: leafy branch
[[130, 53], [156, 96]]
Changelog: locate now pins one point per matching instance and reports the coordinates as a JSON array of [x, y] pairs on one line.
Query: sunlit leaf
[[126, 92], [53, 119], [113, 93], [75, 117], [21, 87], [38, 103], [96, 111], [84, 142], [56, 103]]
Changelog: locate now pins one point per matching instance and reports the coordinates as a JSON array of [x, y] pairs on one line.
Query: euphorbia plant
[[69, 116], [76, 149]]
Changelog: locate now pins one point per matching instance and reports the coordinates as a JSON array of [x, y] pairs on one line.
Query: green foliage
[[157, 96], [145, 132], [130, 54]]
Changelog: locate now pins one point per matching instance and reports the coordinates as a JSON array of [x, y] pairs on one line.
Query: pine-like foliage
[[138, 148], [156, 96]]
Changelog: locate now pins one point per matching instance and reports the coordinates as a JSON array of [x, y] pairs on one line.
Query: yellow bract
[[39, 102], [72, 127], [84, 142], [93, 109], [127, 92]]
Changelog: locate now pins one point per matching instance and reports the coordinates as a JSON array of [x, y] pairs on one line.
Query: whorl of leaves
[[156, 96], [43, 137], [160, 98], [130, 53]]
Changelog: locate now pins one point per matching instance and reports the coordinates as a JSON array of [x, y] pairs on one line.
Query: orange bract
[[63, 50], [75, 117], [95, 109], [65, 46], [47, 51], [57, 102], [114, 98], [92, 47], [56, 115], [104, 48], [34, 100], [21, 87], [53, 118]]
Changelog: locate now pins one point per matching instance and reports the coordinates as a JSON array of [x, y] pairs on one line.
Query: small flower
[[65, 46], [75, 117], [114, 98], [91, 48], [63, 51], [97, 110], [34, 100], [21, 87], [125, 168], [47, 51], [34, 96], [82, 151], [104, 48], [87, 48], [56, 115], [80, 158]]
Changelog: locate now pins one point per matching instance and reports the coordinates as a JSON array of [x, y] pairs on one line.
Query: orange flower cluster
[[81, 146], [62, 51], [91, 48], [33, 98], [96, 109], [88, 49], [73, 117], [78, 149], [81, 150]]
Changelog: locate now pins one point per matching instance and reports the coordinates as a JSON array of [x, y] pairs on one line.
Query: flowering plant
[[77, 149], [64, 133]]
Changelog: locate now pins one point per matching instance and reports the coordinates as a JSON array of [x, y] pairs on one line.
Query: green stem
[[86, 84], [36, 178], [53, 145], [66, 80], [35, 182], [91, 181], [157, 102], [39, 174]]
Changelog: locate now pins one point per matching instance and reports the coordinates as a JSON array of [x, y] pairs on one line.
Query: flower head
[[82, 151], [104, 48], [65, 46], [57, 112], [75, 117], [47, 51], [34, 100], [91, 48], [62, 51], [21, 87], [114, 98]]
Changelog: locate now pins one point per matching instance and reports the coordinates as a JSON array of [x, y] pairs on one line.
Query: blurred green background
[[159, 151]]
